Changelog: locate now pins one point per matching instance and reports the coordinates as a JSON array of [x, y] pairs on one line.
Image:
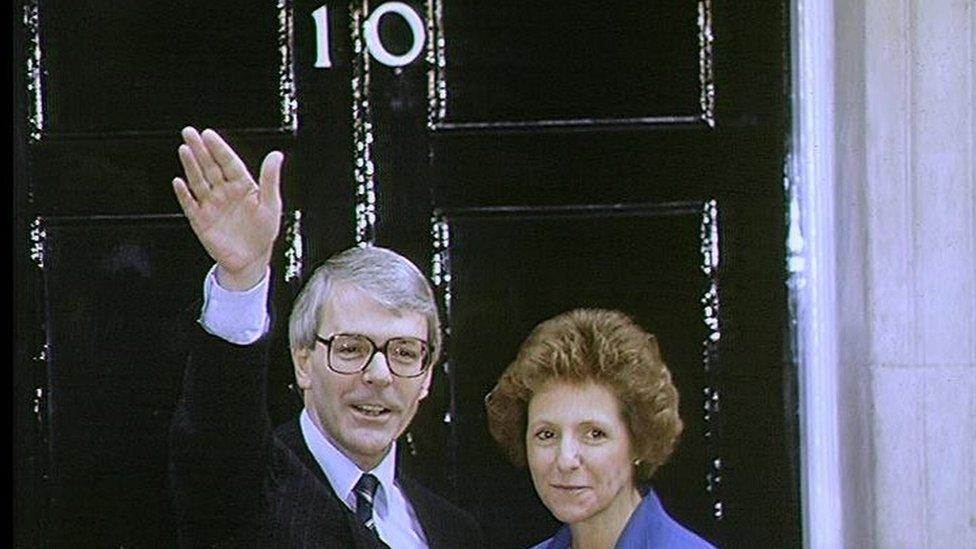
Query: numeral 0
[[374, 43]]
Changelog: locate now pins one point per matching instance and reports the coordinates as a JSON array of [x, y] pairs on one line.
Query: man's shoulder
[[296, 482], [292, 452], [289, 432]]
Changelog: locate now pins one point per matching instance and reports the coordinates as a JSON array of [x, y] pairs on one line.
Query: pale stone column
[[917, 213], [921, 295], [885, 149]]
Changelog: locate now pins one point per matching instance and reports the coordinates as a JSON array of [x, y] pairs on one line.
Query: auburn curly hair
[[603, 346]]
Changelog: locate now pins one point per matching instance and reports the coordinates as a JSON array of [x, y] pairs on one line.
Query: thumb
[[270, 179]]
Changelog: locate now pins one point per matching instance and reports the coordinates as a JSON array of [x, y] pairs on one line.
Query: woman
[[589, 405]]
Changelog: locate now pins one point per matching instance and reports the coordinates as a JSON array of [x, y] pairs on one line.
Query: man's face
[[361, 413]]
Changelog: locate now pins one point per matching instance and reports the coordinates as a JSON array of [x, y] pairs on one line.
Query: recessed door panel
[[512, 268], [118, 296], [159, 65], [512, 64]]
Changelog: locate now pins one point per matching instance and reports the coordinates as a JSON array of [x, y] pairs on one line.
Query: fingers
[[270, 179], [231, 166], [183, 195], [207, 166], [198, 185], [210, 162]]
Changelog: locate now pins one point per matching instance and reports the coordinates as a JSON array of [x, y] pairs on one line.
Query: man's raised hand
[[236, 219]]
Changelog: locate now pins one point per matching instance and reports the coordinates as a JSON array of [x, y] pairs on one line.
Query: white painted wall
[[890, 436]]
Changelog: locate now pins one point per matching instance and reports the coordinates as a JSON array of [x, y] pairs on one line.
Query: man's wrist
[[243, 280], [240, 317]]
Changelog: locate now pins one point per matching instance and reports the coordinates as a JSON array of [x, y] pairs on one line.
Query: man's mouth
[[371, 410]]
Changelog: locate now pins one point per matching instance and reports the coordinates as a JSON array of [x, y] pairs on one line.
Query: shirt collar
[[342, 472]]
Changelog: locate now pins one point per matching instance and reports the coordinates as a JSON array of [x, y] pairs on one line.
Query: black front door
[[533, 157]]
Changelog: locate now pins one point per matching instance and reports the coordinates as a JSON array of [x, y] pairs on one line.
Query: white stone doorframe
[[882, 262], [811, 253]]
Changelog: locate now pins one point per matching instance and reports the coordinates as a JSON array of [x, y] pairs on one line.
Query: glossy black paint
[[118, 294], [643, 259], [564, 60], [117, 68], [120, 266]]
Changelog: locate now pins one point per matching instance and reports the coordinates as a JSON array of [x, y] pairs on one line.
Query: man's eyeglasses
[[351, 353]]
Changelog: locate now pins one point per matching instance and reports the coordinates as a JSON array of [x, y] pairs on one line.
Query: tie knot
[[367, 485]]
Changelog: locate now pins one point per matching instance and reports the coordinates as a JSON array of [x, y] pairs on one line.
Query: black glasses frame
[[327, 341]]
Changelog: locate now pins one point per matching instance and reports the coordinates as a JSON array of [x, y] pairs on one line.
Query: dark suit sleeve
[[446, 525], [471, 531], [454, 528], [219, 443]]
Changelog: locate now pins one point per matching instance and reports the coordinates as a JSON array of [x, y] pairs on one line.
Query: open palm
[[235, 219]]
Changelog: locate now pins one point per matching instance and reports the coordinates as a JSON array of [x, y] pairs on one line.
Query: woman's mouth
[[570, 488]]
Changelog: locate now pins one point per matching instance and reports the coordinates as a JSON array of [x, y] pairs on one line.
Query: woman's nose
[[568, 457]]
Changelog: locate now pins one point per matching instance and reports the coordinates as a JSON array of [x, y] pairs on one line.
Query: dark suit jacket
[[238, 483]]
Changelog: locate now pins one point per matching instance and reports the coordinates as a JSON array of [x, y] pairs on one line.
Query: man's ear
[[426, 386], [301, 360]]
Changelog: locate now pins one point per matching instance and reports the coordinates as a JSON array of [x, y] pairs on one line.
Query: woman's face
[[579, 450]]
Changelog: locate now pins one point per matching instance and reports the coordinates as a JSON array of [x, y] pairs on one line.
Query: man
[[364, 335]]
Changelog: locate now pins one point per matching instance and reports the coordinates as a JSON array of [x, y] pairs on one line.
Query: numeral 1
[[322, 57]]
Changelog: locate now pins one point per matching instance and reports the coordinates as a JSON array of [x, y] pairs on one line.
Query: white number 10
[[371, 31]]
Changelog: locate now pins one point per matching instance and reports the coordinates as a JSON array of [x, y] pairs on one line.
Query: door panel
[[154, 67], [565, 63], [118, 293], [511, 268]]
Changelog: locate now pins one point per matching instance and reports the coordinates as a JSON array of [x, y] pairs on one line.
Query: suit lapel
[[290, 435], [422, 504]]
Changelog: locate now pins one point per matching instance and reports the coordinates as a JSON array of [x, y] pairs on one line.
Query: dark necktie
[[365, 490]]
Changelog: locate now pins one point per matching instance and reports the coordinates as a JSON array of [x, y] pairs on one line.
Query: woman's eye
[[544, 435], [597, 434]]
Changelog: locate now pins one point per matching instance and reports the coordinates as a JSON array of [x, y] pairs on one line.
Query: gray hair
[[385, 275]]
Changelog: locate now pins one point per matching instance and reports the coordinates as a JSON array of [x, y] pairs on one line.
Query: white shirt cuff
[[238, 317]]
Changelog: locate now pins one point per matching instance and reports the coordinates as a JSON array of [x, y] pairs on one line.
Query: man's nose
[[378, 370]]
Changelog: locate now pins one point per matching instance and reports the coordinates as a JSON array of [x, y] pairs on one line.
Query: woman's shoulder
[[652, 526], [562, 540]]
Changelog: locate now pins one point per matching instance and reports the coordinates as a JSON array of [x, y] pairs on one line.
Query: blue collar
[[648, 526]]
